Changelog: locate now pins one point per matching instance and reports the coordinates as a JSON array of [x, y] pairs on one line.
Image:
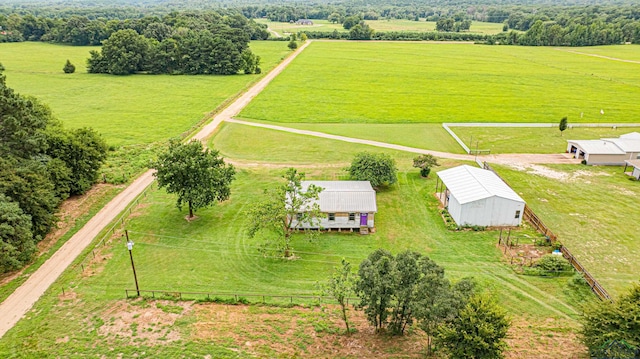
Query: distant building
[[478, 197], [345, 205], [606, 151], [304, 22]]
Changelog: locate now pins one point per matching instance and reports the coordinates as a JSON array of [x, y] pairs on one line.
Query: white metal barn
[[345, 205], [478, 197]]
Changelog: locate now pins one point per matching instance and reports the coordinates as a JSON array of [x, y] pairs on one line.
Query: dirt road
[[25, 296], [506, 159]]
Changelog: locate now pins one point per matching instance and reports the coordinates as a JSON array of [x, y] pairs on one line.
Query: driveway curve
[[24, 297]]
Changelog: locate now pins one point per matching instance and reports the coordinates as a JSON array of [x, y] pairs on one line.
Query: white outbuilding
[[478, 197]]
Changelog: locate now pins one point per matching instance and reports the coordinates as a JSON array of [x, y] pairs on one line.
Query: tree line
[[41, 164], [82, 30]]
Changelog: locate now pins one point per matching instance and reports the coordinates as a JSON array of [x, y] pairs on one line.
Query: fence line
[[112, 230], [261, 298], [535, 221]]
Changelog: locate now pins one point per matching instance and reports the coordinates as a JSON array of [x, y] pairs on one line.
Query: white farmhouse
[[345, 205], [478, 197]]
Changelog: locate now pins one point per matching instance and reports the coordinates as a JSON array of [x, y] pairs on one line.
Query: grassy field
[[424, 82], [627, 52], [593, 210], [378, 25], [232, 140], [530, 139], [124, 109], [214, 254]]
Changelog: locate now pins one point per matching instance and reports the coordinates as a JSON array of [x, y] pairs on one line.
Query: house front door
[[363, 219]]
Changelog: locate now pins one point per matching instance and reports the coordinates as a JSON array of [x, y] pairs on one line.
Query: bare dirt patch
[[547, 172], [302, 332], [150, 322], [544, 339]]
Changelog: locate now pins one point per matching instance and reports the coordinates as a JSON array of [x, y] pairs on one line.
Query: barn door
[[363, 219]]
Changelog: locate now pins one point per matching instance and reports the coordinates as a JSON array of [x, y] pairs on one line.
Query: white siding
[[454, 208], [341, 221], [494, 212]]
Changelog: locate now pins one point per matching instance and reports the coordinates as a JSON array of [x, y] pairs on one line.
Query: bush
[[69, 68], [553, 263]]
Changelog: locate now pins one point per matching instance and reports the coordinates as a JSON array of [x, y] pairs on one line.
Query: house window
[[298, 217], [352, 216], [332, 216], [517, 214]]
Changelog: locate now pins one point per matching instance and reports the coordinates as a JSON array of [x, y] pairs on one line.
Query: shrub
[[69, 68], [553, 263]]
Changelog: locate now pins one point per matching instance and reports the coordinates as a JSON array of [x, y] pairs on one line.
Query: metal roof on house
[[469, 184], [598, 147], [345, 196]]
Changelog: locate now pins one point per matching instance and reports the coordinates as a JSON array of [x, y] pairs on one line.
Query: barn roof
[[469, 184], [627, 144], [631, 135], [598, 147], [345, 196]]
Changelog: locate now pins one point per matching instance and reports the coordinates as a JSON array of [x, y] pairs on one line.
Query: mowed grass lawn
[[377, 25], [124, 109], [213, 253], [594, 212], [533, 139], [382, 82]]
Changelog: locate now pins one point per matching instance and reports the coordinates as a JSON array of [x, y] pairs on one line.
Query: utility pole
[[133, 266]]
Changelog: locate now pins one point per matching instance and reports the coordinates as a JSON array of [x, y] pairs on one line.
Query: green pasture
[[213, 253], [283, 28], [272, 146], [532, 139], [626, 52], [593, 210], [124, 109], [382, 82]]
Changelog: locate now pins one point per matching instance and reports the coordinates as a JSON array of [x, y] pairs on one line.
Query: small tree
[[340, 287], [292, 44], [477, 332], [199, 176], [284, 210], [69, 68], [563, 125], [303, 37], [424, 163], [377, 168], [605, 322]]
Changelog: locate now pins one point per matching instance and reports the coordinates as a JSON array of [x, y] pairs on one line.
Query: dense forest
[[41, 164], [530, 23]]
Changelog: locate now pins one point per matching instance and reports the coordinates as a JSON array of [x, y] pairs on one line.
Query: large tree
[[377, 168], [199, 176], [284, 210], [123, 53], [16, 240], [605, 322], [375, 286]]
